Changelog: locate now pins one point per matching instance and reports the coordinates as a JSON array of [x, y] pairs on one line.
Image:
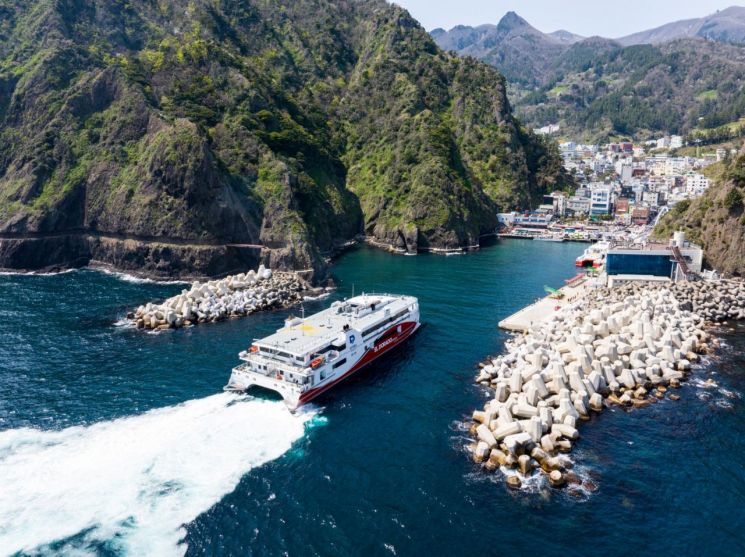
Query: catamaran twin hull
[[309, 356]]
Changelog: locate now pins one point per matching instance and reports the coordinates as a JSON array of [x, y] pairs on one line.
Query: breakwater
[[627, 346], [230, 297]]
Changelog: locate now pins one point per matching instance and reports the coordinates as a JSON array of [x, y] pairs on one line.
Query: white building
[[696, 183], [600, 201], [507, 219], [547, 130], [651, 198], [625, 171], [568, 147], [676, 142], [675, 166], [578, 205]]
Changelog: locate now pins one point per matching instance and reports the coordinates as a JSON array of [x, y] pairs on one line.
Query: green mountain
[[715, 220], [640, 91], [673, 79], [196, 138]]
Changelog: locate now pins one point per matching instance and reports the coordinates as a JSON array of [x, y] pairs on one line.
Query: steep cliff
[[197, 138], [715, 220]]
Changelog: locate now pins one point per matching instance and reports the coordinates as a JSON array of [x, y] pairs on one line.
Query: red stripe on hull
[[408, 328]]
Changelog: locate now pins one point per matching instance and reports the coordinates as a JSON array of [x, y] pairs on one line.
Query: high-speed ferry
[[310, 355], [593, 256]]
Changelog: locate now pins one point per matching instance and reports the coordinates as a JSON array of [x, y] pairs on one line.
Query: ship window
[[274, 352], [325, 349], [378, 326], [340, 363]]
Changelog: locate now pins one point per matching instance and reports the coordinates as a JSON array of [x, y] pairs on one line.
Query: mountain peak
[[512, 21], [732, 11]]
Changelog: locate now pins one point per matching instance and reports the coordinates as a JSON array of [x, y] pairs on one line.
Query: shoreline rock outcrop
[[627, 347], [217, 300]]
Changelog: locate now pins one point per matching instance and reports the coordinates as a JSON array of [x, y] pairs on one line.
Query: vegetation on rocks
[[293, 126], [642, 90], [715, 220]]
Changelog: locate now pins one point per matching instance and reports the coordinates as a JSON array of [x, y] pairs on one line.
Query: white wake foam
[[35, 273], [134, 482], [135, 279]]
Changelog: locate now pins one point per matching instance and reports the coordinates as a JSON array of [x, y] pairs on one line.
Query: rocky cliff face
[[716, 221], [200, 138]]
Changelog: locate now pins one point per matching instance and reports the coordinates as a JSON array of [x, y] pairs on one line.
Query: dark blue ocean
[[119, 442]]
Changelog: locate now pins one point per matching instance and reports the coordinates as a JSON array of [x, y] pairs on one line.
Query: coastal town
[[621, 185], [625, 331]]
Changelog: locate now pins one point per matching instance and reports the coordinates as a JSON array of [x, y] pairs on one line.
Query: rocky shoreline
[[391, 248], [231, 297], [627, 347]]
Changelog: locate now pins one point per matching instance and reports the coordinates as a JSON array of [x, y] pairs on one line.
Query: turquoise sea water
[[112, 439]]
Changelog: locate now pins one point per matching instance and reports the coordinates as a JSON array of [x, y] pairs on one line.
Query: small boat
[[549, 238], [594, 256], [308, 356]]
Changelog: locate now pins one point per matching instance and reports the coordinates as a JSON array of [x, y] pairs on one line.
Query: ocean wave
[[135, 279], [132, 483], [581, 480], [125, 323], [315, 298], [36, 273], [117, 274]]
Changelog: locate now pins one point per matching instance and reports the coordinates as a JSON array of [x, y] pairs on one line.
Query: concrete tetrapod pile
[[715, 301], [624, 346], [233, 296]]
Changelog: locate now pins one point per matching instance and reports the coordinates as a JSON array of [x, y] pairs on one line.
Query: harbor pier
[[540, 310]]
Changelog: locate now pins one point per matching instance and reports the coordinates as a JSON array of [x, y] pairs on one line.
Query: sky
[[584, 17]]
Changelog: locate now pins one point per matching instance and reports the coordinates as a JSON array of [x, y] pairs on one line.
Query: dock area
[[542, 309]]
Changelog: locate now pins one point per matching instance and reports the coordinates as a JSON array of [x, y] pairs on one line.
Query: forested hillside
[[687, 76], [642, 90], [196, 138], [715, 220]]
